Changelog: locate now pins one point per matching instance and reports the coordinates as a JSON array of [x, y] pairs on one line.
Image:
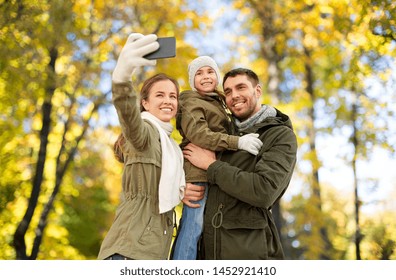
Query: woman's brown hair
[[144, 94], [117, 148]]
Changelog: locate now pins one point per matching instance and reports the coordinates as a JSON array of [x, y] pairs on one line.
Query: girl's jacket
[[203, 120]]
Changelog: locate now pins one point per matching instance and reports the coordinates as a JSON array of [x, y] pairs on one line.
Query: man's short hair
[[252, 77]]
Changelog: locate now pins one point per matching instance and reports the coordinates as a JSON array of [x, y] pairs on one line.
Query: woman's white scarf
[[172, 181]]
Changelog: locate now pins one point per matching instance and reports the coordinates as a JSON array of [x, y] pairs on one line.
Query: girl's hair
[[144, 94]]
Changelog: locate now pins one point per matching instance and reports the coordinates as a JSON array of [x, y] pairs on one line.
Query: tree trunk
[[19, 235], [61, 167], [355, 143], [315, 185], [265, 12]]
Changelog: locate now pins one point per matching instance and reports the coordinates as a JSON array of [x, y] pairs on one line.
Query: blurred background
[[330, 65]]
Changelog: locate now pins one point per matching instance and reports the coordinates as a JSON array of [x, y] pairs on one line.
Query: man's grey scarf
[[265, 112]]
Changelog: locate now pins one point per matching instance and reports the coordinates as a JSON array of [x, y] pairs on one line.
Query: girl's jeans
[[190, 229]]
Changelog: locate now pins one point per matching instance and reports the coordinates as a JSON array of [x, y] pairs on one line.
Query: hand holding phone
[[167, 48], [131, 56]]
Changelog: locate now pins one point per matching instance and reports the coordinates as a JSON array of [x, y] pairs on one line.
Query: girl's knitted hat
[[199, 62]]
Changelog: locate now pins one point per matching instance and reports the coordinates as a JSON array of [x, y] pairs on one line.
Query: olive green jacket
[[238, 222], [203, 120], [138, 230]]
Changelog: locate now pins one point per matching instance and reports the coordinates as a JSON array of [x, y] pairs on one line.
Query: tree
[[368, 56], [313, 69], [70, 48], [280, 27], [59, 23]]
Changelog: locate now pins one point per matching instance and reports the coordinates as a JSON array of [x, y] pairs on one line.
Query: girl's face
[[162, 100], [205, 79]]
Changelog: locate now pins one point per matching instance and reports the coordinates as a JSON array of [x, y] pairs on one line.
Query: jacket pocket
[[151, 235], [241, 240], [153, 238]]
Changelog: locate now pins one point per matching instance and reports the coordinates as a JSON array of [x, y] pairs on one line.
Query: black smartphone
[[167, 48]]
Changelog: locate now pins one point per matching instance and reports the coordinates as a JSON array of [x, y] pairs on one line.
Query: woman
[[153, 178]]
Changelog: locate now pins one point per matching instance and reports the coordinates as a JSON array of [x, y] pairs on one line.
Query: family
[[229, 170]]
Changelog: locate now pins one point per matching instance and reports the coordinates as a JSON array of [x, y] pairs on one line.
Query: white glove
[[131, 56], [250, 143]]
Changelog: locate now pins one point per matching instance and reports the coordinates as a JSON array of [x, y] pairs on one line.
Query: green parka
[[238, 222], [203, 120], [138, 231]]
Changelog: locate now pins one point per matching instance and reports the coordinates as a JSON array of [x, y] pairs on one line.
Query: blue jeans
[[190, 229]]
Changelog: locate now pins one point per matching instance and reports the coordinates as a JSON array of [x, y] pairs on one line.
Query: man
[[238, 222]]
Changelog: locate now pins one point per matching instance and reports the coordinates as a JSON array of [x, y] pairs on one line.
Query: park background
[[329, 65]]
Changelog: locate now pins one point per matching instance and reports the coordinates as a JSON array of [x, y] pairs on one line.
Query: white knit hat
[[198, 63]]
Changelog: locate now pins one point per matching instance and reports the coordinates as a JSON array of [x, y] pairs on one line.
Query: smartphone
[[167, 48]]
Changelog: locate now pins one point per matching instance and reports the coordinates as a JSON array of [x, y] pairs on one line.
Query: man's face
[[242, 98]]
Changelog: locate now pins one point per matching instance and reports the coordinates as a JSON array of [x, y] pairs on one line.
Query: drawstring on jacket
[[174, 224], [217, 221]]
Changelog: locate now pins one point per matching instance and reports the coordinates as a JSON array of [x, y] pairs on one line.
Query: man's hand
[[198, 156], [131, 56], [250, 143], [193, 193]]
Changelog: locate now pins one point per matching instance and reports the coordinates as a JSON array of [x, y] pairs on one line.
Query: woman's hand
[[131, 56]]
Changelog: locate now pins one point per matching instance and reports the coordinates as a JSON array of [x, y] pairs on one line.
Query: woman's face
[[162, 100]]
